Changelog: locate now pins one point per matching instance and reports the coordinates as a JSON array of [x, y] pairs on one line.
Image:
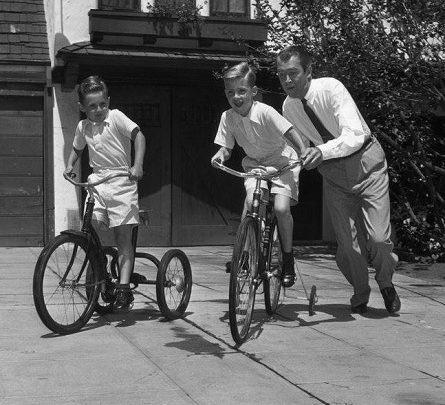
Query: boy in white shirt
[[262, 132], [108, 134]]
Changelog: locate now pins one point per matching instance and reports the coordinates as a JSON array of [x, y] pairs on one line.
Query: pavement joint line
[[420, 294], [126, 338], [205, 286], [252, 357], [364, 348]]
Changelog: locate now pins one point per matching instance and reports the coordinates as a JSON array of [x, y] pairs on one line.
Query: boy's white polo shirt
[[109, 142], [260, 133]]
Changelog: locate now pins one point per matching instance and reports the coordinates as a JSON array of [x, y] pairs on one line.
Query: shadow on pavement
[[195, 343], [337, 312]]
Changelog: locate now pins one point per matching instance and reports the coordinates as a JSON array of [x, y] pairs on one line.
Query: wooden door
[[149, 107], [207, 203], [21, 171]]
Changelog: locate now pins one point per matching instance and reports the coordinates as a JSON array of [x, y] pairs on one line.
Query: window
[[239, 8], [132, 5], [175, 3]]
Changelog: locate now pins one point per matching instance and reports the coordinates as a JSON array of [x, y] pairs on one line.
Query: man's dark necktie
[[324, 133]]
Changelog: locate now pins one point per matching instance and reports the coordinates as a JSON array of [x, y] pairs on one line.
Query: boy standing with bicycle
[[262, 133], [108, 134]]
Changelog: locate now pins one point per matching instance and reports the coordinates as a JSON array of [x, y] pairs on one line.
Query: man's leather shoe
[[391, 298], [360, 309]]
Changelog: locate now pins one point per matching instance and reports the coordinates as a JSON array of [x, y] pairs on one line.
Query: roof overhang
[[70, 60]]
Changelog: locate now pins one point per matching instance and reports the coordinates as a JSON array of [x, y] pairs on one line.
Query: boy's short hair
[[296, 50], [92, 84], [241, 70]]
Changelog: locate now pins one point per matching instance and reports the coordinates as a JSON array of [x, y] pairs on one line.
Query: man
[[354, 169]]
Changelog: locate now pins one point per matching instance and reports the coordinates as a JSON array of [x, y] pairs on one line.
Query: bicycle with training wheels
[[75, 275], [257, 256]]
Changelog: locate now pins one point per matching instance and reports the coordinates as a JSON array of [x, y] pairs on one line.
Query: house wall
[[67, 23]]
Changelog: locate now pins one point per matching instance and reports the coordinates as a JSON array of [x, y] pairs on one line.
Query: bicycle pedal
[[137, 279]]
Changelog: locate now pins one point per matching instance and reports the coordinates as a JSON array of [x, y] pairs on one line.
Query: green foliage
[[186, 12], [390, 55]]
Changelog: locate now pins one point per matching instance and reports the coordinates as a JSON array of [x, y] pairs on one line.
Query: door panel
[[149, 107], [206, 202], [21, 172]]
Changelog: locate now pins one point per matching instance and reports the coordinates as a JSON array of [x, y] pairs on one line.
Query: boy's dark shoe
[[391, 298], [360, 309], [288, 276], [124, 296], [137, 279]]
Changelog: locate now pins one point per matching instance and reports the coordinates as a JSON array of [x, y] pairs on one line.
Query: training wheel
[[312, 300], [173, 284]]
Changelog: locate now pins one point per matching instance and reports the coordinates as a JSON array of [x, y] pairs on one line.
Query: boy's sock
[[288, 256], [288, 276]]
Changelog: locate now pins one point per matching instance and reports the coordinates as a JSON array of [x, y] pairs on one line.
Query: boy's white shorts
[[116, 200], [287, 184]]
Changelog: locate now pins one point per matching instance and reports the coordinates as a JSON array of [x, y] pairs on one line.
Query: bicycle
[[75, 275], [257, 257]]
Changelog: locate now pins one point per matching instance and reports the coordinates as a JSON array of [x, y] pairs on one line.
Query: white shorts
[[116, 200], [286, 184]]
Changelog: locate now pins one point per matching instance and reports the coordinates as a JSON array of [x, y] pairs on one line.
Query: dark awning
[[73, 57]]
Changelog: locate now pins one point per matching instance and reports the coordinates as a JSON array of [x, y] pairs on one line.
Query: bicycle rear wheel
[[242, 280], [66, 284], [272, 282]]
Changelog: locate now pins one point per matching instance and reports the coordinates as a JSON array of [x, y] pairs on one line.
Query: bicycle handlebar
[[95, 183], [258, 175]]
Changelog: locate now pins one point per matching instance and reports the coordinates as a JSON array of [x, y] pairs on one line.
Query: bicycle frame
[[257, 202], [263, 234], [87, 231]]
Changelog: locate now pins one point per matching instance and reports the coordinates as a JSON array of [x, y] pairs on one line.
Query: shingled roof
[[23, 31]]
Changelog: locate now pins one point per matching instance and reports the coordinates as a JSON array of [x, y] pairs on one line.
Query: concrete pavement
[[333, 357]]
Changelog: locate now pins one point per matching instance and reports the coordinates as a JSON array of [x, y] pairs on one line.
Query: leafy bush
[[390, 55]]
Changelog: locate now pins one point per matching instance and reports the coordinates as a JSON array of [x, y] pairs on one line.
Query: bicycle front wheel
[[66, 284], [242, 280], [272, 281]]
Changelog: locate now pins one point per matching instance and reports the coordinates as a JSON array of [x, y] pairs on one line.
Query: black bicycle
[[257, 257], [75, 275]]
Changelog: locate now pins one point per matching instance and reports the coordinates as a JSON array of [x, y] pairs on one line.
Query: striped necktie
[[324, 133]]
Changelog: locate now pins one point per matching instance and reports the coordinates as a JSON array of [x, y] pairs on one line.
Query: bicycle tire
[[242, 287], [65, 307], [105, 300], [173, 284], [272, 282]]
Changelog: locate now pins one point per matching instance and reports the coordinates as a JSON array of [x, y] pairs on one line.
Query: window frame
[[134, 6], [228, 13]]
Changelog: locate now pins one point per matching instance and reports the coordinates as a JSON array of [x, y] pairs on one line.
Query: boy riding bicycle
[[262, 133], [108, 134]]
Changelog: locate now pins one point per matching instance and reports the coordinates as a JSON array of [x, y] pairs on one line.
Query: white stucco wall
[[67, 22]]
